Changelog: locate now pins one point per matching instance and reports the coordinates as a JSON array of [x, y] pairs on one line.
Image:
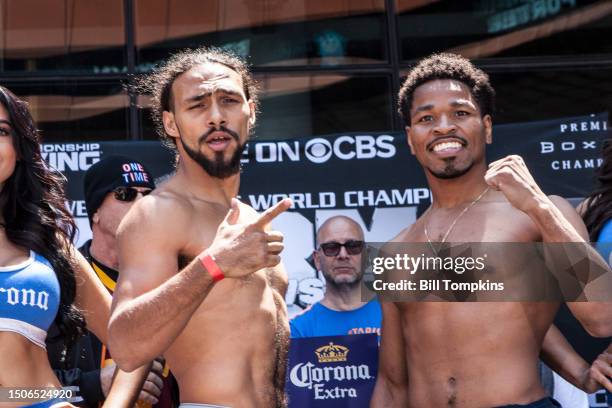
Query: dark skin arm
[[559, 355], [558, 223], [601, 369], [391, 390], [595, 316]]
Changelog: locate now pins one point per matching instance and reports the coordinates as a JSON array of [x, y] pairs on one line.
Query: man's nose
[[342, 254], [445, 125], [216, 117]]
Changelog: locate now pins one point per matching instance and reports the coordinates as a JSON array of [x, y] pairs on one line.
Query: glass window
[[542, 94], [62, 35], [309, 105], [278, 32], [503, 28], [547, 94], [76, 111]]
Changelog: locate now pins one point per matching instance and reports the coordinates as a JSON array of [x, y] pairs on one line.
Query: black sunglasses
[[129, 194], [333, 248]]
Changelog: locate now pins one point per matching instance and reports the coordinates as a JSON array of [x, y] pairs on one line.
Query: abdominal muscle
[[24, 364], [227, 353], [475, 354]]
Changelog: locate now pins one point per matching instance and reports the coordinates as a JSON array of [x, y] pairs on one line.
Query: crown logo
[[331, 353]]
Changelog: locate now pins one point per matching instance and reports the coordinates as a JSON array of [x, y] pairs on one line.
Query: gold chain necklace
[[453, 223]]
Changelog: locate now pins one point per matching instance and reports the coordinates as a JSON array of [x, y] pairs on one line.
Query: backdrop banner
[[371, 177]]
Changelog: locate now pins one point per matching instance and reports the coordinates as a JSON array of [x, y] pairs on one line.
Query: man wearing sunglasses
[[339, 256], [111, 187]]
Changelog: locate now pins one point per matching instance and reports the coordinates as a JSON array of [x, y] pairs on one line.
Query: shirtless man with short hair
[[471, 355], [224, 339]]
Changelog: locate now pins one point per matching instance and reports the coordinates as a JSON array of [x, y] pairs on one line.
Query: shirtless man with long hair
[[200, 280]]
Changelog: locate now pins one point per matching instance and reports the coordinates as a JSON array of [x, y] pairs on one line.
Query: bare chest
[[450, 327], [485, 222]]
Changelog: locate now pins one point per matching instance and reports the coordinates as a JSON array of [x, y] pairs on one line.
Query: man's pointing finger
[[272, 212]]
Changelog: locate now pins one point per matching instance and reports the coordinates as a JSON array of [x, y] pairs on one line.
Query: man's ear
[[409, 140], [170, 124], [253, 113], [488, 125], [96, 218]]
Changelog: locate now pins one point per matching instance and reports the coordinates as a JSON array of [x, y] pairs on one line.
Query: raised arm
[[391, 389], [557, 222], [154, 301]]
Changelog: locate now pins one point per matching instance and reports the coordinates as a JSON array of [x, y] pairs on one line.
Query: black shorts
[[543, 403]]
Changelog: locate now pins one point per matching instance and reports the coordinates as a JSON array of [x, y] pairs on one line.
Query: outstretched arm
[[391, 389]]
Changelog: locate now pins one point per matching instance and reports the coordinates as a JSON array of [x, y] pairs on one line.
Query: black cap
[[108, 174]]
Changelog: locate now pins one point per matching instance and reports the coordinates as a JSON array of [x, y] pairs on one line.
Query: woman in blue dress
[[42, 277]]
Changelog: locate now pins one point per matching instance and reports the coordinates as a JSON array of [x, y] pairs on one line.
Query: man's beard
[[217, 167], [450, 171], [343, 285]]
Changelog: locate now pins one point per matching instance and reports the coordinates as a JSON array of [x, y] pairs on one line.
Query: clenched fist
[[511, 176]]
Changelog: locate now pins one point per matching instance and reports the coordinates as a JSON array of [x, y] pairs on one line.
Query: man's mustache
[[220, 129]]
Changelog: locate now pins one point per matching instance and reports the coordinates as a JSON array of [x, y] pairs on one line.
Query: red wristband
[[212, 268]]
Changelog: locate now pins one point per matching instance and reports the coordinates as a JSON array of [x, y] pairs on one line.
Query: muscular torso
[[481, 354], [233, 350]]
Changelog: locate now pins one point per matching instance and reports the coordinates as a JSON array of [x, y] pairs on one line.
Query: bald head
[[343, 269], [338, 223]]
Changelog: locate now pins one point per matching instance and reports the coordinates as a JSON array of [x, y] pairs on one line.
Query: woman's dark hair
[[34, 213], [599, 203]]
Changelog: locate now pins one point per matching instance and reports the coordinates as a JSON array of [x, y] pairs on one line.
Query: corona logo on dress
[[331, 353], [26, 297]]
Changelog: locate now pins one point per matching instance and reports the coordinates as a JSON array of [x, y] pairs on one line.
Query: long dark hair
[[34, 212], [599, 202]]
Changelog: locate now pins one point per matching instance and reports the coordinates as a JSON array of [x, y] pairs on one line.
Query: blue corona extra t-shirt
[[319, 320]]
